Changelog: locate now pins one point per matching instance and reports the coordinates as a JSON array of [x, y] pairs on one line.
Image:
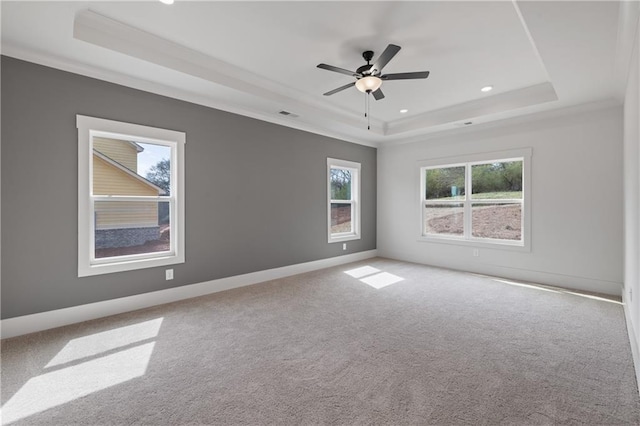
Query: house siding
[[120, 151], [122, 223], [126, 214], [109, 180]]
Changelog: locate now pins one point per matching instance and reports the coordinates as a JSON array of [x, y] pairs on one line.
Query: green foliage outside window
[[445, 182], [497, 177], [160, 175], [340, 184], [498, 180]]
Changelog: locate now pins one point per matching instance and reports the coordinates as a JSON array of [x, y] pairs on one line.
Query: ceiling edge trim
[[73, 67], [534, 46], [507, 101], [517, 120], [100, 30]]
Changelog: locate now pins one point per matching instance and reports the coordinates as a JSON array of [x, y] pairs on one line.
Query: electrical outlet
[[476, 252], [168, 274], [344, 246]]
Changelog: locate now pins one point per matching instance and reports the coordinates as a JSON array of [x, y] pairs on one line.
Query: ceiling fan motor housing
[[365, 69]]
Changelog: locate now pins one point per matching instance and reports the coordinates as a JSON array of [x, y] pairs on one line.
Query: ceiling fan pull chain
[[365, 105], [368, 112]]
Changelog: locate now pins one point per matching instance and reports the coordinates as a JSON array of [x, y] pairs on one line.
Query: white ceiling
[[258, 58]]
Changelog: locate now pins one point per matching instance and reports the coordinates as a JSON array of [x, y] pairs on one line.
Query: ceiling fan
[[369, 77]]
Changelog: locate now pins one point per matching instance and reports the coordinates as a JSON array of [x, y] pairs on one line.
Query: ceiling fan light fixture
[[368, 84]]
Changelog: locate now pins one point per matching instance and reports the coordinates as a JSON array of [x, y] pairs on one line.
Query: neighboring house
[[122, 223]]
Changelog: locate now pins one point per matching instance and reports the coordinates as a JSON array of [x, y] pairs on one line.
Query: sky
[[151, 155]]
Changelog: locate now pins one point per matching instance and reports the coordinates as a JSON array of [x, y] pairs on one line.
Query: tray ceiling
[[259, 58]]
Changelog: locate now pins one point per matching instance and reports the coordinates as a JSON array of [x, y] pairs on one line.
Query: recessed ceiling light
[[167, 1], [404, 111], [486, 89]]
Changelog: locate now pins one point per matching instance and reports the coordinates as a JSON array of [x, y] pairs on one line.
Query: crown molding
[[514, 122], [503, 102], [44, 59], [103, 31]]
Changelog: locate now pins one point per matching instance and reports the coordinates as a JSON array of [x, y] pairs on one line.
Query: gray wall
[[255, 191]]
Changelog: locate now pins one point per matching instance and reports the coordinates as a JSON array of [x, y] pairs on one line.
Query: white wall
[[632, 199], [576, 201]]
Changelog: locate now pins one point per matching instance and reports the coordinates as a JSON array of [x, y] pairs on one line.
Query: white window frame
[[88, 128], [355, 169], [468, 161]]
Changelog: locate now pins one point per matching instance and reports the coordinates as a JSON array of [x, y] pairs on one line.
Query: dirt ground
[[342, 227], [500, 222]]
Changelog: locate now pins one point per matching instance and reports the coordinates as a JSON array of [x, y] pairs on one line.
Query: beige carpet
[[389, 343]]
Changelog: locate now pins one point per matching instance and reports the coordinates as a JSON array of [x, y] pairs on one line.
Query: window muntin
[[131, 204], [494, 212], [343, 200]]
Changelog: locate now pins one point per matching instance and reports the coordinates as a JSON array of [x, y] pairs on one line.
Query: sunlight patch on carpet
[[381, 280], [362, 272], [78, 369], [557, 290], [591, 296], [531, 286], [97, 343], [374, 277]]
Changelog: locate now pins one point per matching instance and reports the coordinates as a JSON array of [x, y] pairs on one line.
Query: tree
[[503, 176], [513, 175], [160, 175], [440, 181], [340, 184]]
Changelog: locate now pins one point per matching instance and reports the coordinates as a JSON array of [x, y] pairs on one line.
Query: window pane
[[445, 183], [131, 227], [340, 184], [123, 167], [341, 218], [498, 180], [499, 221], [444, 219]]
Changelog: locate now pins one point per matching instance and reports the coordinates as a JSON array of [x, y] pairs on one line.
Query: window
[[485, 201], [343, 188], [130, 196]]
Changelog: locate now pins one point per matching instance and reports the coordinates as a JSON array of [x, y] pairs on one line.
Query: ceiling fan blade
[[378, 94], [340, 70], [384, 59], [405, 75], [339, 89]]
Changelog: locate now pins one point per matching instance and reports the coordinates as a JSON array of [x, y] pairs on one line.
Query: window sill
[[343, 238], [496, 245], [130, 265]]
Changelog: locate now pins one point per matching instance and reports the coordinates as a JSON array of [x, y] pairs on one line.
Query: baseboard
[[635, 349], [567, 281], [573, 282], [18, 326]]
